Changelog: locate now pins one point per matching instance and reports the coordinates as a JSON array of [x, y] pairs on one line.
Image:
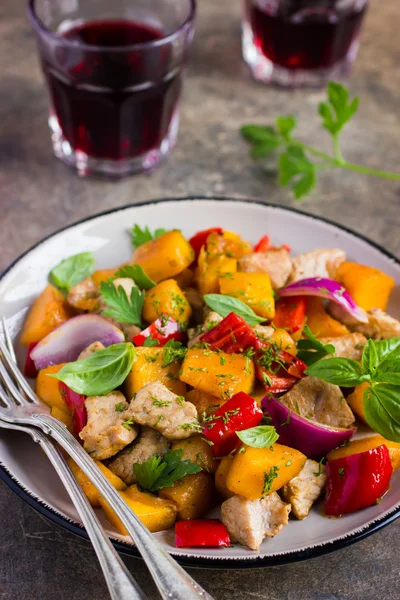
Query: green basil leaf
[[138, 275], [311, 350], [388, 349], [388, 372], [262, 436], [382, 410], [101, 372], [339, 371], [370, 358], [119, 306], [223, 305], [72, 270]]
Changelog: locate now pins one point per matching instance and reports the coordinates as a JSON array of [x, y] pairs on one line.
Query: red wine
[[301, 35], [110, 103]]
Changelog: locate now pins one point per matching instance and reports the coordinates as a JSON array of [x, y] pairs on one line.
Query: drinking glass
[[114, 70], [301, 42]]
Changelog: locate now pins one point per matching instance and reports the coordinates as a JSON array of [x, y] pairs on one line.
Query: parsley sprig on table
[[159, 472], [299, 163]]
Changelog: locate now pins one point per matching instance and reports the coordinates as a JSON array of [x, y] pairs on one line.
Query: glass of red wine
[[301, 42], [114, 70]]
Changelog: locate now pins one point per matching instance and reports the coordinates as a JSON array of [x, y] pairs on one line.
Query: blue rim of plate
[[202, 562]]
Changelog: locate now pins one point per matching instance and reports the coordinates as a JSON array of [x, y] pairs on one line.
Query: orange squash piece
[[49, 311], [254, 289], [197, 450], [356, 400], [369, 287], [147, 368], [103, 275], [166, 298], [87, 486], [193, 496], [47, 388], [205, 403], [320, 322], [210, 268], [221, 475]]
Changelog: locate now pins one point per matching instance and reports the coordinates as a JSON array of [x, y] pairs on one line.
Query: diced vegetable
[[211, 268], [76, 406], [156, 513], [356, 401], [367, 443], [369, 287], [193, 496], [284, 341], [210, 533], [159, 333], [357, 480], [200, 238], [49, 311], [264, 244], [29, 368], [321, 323], [254, 289], [87, 486], [204, 402], [165, 256], [65, 343], [221, 475], [103, 275], [329, 289], [217, 373], [257, 472], [290, 313], [238, 413], [311, 438], [228, 243], [148, 367], [47, 388], [64, 417], [166, 298], [231, 335], [197, 450], [276, 369]]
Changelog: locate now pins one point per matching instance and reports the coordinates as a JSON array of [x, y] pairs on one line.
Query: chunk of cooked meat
[[250, 521], [157, 407], [129, 331], [380, 326], [90, 349], [302, 491], [104, 434], [263, 332], [275, 262], [150, 443], [319, 401], [322, 262], [350, 345], [212, 319], [85, 295]]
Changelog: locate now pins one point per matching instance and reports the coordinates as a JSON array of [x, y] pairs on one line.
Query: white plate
[[25, 467]]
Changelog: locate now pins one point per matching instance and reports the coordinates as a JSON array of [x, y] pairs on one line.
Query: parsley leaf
[[311, 350], [338, 110], [296, 169], [138, 275], [269, 479], [70, 271], [119, 306], [139, 236], [160, 472]]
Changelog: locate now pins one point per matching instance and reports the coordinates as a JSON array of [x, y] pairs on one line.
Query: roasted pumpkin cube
[[103, 275], [197, 450], [217, 373], [156, 513], [228, 243], [254, 289], [147, 368], [220, 477], [48, 390], [211, 268], [193, 496], [64, 417], [283, 340], [367, 443], [257, 472], [166, 298], [87, 486], [321, 323], [49, 311], [164, 257], [369, 287], [356, 401], [205, 403]]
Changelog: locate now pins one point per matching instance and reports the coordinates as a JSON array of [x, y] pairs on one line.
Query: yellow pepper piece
[[210, 268], [254, 289], [147, 368], [166, 298]]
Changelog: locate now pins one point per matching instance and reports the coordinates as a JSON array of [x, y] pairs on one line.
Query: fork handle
[[120, 582], [171, 579]]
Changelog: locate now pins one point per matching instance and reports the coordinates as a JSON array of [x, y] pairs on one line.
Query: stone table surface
[[38, 194]]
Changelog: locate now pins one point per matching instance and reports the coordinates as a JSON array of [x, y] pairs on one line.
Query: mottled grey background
[[38, 560]]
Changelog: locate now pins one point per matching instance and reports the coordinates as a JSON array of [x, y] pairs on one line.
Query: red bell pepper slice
[[195, 533], [29, 369], [163, 330], [277, 369], [76, 406], [239, 412], [290, 313], [264, 244], [200, 238], [357, 481], [232, 335]]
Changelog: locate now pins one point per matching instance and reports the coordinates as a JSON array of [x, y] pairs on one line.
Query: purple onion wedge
[[328, 289], [311, 438], [65, 343]]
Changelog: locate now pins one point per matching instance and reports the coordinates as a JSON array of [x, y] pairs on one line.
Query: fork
[[171, 579], [120, 582]]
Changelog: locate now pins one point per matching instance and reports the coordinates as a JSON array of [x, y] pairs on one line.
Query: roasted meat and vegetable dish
[[209, 372]]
